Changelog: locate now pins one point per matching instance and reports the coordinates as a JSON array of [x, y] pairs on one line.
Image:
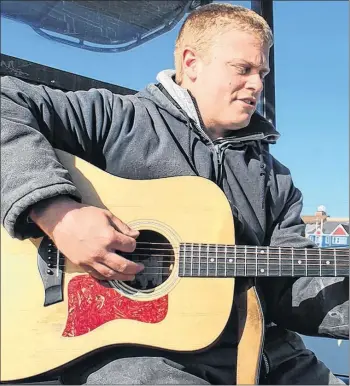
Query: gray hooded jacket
[[158, 133]]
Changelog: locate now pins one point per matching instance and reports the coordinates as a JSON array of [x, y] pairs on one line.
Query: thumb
[[123, 228]]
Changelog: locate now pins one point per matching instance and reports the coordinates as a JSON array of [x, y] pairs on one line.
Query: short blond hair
[[207, 22]]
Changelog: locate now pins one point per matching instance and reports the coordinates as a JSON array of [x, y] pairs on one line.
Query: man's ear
[[190, 60]]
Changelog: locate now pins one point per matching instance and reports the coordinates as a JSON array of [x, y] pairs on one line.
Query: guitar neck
[[217, 260]]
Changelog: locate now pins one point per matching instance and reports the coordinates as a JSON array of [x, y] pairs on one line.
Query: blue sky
[[312, 87]]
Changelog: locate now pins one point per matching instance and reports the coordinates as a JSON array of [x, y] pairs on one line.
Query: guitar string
[[324, 267], [248, 254], [315, 252], [247, 247], [253, 273], [223, 245], [249, 259], [223, 259], [243, 263]]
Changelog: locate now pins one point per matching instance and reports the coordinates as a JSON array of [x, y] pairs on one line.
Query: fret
[[204, 260], [197, 262], [241, 266], [313, 265], [199, 259], [328, 267], [196, 268], [262, 264], [342, 261], [191, 273], [196, 265], [180, 261], [286, 262], [250, 261], [221, 261], [273, 261], [212, 262], [256, 261], [335, 262], [225, 261], [300, 268], [292, 261], [184, 261], [320, 257], [306, 263], [230, 264], [216, 261], [207, 259], [235, 260]]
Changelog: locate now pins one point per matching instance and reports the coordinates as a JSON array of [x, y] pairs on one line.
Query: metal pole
[[265, 9]]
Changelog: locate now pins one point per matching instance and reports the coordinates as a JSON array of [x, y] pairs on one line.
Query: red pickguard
[[90, 305]]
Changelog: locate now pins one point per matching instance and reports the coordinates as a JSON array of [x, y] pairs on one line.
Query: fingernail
[[134, 232], [140, 267]]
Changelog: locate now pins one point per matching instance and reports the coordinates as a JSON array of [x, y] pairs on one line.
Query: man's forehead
[[240, 39], [248, 47]]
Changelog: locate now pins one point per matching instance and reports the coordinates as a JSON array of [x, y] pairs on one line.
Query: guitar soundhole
[[155, 252]]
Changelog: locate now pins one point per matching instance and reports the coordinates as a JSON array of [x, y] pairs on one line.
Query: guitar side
[[183, 209]]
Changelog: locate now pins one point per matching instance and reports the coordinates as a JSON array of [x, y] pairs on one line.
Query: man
[[198, 120]]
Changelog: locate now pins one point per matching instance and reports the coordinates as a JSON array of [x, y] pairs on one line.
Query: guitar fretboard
[[209, 260]]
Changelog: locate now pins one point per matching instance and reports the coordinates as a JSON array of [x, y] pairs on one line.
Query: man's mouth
[[249, 101]]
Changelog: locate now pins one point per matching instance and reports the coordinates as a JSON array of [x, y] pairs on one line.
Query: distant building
[[325, 231]]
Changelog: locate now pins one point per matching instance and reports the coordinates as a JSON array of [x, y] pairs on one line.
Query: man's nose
[[255, 83]]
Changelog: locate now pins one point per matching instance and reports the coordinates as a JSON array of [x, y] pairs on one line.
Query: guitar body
[[182, 314]]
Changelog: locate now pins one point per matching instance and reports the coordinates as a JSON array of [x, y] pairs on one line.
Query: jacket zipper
[[220, 155], [218, 152], [266, 362]]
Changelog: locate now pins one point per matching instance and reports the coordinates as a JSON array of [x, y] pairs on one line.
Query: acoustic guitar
[[52, 312]]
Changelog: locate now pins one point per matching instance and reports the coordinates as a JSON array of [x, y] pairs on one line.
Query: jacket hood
[[178, 102]]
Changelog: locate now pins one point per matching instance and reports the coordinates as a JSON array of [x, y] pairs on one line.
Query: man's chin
[[241, 124], [220, 128]]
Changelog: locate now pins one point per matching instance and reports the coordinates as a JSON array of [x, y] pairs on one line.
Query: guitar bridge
[[51, 265]]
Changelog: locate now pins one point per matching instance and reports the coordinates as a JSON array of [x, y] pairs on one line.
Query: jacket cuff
[[16, 220]]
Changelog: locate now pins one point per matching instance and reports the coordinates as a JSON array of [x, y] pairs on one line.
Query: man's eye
[[243, 70]]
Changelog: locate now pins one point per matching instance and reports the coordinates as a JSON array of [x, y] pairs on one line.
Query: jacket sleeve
[[312, 306], [36, 120]]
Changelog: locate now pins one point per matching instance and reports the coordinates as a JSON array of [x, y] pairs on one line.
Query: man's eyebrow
[[265, 70]]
